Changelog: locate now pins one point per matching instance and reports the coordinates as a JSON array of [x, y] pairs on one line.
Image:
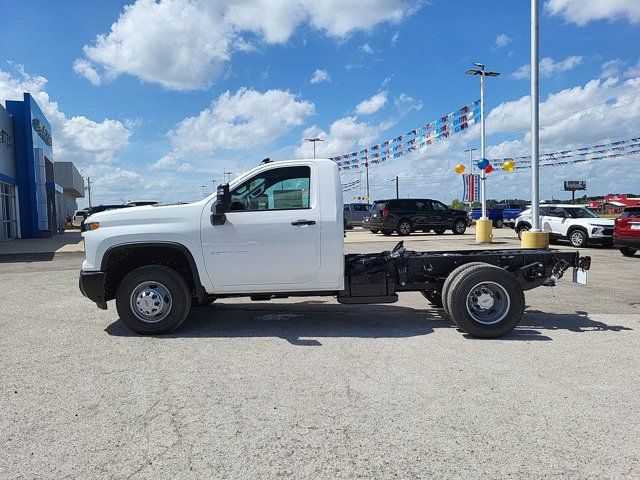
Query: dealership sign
[[41, 130], [573, 185]]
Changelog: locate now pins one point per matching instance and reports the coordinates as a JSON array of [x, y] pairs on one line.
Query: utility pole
[[397, 188], [213, 186], [366, 166], [314, 140], [483, 234], [88, 188]]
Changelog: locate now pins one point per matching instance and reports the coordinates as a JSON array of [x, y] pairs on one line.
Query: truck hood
[[147, 214]]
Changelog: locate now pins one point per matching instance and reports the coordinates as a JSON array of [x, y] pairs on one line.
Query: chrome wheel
[[577, 238], [150, 302], [460, 227], [488, 303]]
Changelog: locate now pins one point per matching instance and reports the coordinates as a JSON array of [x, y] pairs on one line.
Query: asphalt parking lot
[[309, 388]]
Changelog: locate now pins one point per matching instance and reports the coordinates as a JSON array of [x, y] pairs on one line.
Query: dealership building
[[37, 194]]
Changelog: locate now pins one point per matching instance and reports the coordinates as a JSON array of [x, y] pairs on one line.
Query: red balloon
[[489, 169]]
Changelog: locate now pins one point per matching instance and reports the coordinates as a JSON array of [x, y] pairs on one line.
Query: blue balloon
[[483, 163]]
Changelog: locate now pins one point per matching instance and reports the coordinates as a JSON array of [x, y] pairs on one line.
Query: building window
[[8, 224]]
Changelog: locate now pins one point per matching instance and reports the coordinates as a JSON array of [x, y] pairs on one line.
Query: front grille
[[607, 231]]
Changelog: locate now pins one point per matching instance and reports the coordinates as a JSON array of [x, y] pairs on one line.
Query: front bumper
[[92, 287], [627, 242]]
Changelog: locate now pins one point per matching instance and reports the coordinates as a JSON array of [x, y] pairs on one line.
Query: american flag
[[471, 185]]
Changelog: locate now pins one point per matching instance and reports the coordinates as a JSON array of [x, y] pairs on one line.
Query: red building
[[614, 204]]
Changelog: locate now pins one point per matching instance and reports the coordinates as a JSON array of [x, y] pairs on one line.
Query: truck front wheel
[[499, 223], [153, 300], [486, 301]]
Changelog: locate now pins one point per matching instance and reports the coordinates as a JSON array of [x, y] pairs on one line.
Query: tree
[[458, 205]]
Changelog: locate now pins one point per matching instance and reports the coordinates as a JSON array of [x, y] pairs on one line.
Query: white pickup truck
[[277, 231]]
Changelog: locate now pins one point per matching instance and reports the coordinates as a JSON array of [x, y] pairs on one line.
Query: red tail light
[[385, 213]]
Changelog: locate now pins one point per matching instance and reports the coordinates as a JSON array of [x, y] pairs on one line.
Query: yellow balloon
[[508, 166], [460, 168]]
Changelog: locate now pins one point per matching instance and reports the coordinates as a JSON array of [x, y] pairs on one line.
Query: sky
[[154, 100]]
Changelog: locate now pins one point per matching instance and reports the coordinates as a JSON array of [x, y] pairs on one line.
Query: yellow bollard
[[483, 230], [535, 240]]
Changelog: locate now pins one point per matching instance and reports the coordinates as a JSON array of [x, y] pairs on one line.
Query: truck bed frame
[[376, 278]]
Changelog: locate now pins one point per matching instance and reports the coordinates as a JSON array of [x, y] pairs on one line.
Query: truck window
[[438, 206], [284, 188], [346, 208]]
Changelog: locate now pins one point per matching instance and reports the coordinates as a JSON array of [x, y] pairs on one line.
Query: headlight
[[92, 226]]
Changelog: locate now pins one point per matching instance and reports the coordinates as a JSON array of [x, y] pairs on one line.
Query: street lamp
[[483, 226], [314, 140]]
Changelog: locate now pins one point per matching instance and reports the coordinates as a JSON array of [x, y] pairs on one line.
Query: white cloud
[[240, 121], [612, 68], [405, 103], [372, 104], [549, 67], [78, 138], [633, 71], [395, 38], [582, 12], [187, 44], [84, 68], [319, 76], [366, 48], [502, 40], [345, 135]]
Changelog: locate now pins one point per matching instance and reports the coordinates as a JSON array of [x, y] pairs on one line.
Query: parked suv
[[575, 223], [354, 214], [626, 235], [408, 215]]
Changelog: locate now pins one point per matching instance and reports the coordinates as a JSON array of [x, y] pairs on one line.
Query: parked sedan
[[626, 234], [409, 215]]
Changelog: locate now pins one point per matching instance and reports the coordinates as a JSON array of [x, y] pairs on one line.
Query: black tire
[[523, 228], [404, 228], [439, 230], [146, 281], [386, 232], [497, 296], [628, 251], [498, 223], [459, 227], [374, 231], [434, 297], [578, 237], [450, 279]]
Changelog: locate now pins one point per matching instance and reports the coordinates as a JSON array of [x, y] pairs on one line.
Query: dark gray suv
[[408, 215]]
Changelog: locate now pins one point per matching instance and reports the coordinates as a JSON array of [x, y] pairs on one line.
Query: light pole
[[535, 238], [213, 185], [483, 226], [314, 140]]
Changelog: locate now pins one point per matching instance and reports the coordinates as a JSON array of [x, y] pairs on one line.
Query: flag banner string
[[608, 148], [583, 159], [350, 185], [418, 138]]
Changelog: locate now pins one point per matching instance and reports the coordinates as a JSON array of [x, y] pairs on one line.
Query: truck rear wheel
[[153, 300], [486, 301], [498, 223], [450, 279]]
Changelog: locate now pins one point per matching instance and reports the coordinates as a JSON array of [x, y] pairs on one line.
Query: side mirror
[[221, 206]]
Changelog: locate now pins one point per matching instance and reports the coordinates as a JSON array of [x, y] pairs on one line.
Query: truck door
[[271, 235]]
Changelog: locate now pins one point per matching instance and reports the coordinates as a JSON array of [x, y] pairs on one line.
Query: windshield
[[580, 213], [378, 206]]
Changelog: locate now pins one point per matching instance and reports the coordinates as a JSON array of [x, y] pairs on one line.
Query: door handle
[[303, 223]]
